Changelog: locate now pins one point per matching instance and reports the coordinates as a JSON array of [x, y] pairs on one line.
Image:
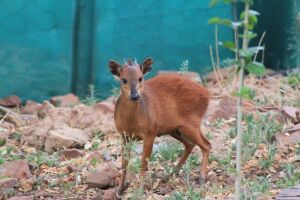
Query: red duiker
[[164, 105]]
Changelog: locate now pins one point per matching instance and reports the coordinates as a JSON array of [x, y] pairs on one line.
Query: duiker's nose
[[134, 96]]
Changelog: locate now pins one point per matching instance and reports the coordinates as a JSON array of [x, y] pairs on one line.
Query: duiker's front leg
[[125, 159], [147, 150]]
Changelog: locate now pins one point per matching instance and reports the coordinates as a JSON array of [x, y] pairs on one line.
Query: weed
[[257, 131], [253, 188], [209, 135], [170, 152], [137, 194], [40, 158], [134, 166], [116, 91], [90, 99], [267, 163], [291, 176], [184, 67]]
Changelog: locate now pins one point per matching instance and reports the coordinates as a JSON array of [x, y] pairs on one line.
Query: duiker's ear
[[114, 67], [147, 65]]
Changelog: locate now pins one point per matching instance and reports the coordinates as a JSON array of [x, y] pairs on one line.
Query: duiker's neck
[[130, 108]]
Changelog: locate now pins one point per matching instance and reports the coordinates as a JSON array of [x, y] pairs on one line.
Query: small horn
[[135, 61], [125, 61], [129, 62]]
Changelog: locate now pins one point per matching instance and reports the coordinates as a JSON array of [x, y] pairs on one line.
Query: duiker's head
[[131, 76]]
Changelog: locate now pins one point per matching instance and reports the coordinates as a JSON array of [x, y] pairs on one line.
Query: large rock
[[31, 108], [65, 137], [227, 108], [291, 113], [65, 100], [31, 197], [285, 141], [85, 119], [18, 169], [194, 76], [36, 134], [105, 107], [110, 194], [71, 153], [10, 101], [104, 177], [8, 183]]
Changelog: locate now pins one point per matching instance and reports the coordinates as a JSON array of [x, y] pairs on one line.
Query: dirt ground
[[67, 149]]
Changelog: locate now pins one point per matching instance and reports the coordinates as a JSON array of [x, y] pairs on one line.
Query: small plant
[[253, 188], [184, 67], [41, 158], [116, 92], [134, 166], [266, 163], [291, 176], [209, 135], [170, 152], [90, 99]]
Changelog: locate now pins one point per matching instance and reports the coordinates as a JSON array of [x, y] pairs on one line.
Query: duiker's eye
[[140, 79], [124, 81]]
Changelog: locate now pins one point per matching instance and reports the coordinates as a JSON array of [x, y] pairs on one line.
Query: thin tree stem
[[239, 108]]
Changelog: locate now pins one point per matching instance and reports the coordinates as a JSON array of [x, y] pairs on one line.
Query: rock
[[31, 108], [264, 197], [291, 113], [224, 73], [10, 101], [105, 177], [95, 155], [8, 183], [16, 120], [283, 141], [27, 184], [105, 107], [194, 76], [31, 197], [71, 153], [65, 100], [65, 137], [226, 108], [293, 129], [36, 134], [46, 109], [212, 177], [110, 194], [18, 169]]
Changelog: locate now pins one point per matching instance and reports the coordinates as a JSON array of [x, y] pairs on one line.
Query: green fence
[[55, 47]]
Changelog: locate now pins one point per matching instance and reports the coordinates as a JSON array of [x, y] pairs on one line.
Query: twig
[[259, 43], [214, 68]]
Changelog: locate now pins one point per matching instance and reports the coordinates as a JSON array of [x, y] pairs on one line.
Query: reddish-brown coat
[[168, 105]]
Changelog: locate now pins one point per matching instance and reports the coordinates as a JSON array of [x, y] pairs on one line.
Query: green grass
[[266, 163], [291, 176], [254, 188], [258, 131]]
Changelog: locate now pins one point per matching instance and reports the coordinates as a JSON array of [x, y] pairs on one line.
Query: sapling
[[244, 60]]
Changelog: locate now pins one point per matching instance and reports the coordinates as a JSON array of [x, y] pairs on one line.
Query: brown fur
[[168, 105]]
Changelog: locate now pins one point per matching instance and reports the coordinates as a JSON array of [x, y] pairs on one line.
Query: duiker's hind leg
[[194, 134], [188, 147]]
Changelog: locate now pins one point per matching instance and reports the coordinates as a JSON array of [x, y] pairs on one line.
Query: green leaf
[[212, 3], [228, 44], [246, 53], [217, 20], [2, 161], [250, 35], [256, 68], [246, 93]]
